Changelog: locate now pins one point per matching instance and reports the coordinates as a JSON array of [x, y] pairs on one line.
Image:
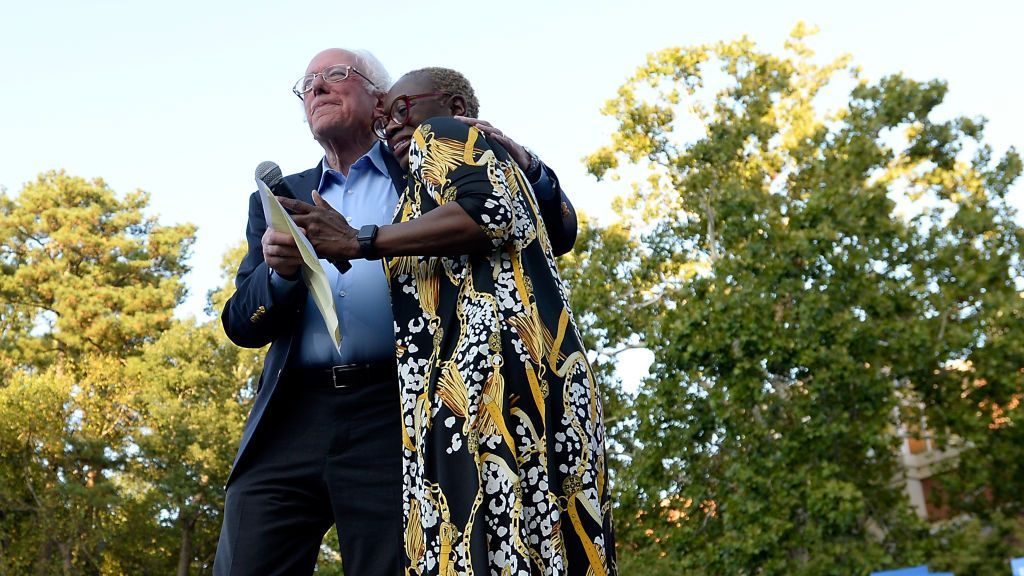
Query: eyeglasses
[[399, 112], [331, 74]]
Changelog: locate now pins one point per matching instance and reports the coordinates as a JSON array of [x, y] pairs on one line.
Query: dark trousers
[[320, 456]]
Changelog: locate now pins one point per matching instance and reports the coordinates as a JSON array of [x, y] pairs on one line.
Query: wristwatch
[[366, 237], [533, 170]]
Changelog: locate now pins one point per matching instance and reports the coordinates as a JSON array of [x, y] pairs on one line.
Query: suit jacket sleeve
[[559, 216], [252, 318]]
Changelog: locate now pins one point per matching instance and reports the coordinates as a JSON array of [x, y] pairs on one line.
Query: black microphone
[[270, 174]]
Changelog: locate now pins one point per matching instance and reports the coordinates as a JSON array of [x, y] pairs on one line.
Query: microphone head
[[270, 173]]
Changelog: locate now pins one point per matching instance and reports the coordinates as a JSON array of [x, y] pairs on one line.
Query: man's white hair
[[369, 65]]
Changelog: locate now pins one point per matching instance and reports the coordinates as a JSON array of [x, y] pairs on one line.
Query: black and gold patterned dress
[[503, 438]]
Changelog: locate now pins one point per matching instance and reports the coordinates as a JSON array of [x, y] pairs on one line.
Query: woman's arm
[[473, 214], [444, 231]]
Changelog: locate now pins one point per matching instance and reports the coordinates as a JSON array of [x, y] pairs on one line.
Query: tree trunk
[[42, 566], [65, 554], [185, 554]]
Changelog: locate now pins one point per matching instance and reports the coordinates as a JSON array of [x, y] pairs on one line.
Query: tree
[[807, 281], [614, 293], [54, 491], [86, 280], [193, 389], [81, 270]]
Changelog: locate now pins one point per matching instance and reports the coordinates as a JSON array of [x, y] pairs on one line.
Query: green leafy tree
[[193, 390], [85, 280], [83, 270], [813, 258], [54, 494], [615, 294]]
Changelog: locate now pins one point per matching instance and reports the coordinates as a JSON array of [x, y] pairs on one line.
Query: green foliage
[[808, 282], [52, 473], [118, 424], [192, 392], [607, 278], [977, 547], [329, 561], [83, 271]]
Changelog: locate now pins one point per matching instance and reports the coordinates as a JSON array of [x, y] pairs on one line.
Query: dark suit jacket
[[252, 319]]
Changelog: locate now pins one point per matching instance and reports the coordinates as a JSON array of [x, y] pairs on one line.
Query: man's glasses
[[331, 74], [399, 112]]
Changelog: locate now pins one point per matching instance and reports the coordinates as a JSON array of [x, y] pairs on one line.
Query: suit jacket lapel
[[398, 175], [303, 183]]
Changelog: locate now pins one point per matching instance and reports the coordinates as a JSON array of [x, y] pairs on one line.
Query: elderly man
[[322, 444]]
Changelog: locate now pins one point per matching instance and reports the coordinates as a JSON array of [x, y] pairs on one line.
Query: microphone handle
[[283, 189]]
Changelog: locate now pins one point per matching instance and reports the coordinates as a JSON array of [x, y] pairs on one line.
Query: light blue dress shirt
[[361, 295]]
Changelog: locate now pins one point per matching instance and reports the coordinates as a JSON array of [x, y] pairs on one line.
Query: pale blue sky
[[183, 99]]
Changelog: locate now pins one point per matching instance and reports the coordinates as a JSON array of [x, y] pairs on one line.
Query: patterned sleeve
[[451, 161]]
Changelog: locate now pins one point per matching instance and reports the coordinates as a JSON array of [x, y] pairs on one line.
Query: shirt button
[[349, 218], [342, 293]]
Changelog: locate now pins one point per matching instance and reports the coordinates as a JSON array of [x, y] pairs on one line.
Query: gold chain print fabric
[[503, 438]]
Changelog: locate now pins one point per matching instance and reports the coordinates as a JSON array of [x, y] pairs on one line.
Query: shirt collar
[[375, 155]]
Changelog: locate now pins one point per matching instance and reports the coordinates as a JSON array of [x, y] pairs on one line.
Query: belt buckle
[[335, 372]]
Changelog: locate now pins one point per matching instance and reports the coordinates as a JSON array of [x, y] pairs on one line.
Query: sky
[[183, 99]]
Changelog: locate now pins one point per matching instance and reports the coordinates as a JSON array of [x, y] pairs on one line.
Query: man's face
[[412, 94], [339, 111]]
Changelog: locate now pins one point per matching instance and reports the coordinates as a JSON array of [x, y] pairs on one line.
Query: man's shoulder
[[307, 179], [315, 171]]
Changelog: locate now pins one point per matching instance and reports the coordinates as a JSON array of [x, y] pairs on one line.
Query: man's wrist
[[533, 170], [281, 286], [293, 277], [544, 186]]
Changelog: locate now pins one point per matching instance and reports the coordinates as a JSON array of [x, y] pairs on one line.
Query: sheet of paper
[[312, 271]]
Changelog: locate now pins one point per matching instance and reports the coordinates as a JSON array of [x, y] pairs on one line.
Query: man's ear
[[458, 105], [378, 108]]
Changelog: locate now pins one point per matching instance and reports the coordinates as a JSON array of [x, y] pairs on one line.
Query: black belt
[[346, 376]]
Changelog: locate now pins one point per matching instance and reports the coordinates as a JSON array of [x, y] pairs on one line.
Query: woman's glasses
[[400, 112]]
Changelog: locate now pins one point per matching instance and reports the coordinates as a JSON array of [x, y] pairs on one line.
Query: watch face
[[365, 237]]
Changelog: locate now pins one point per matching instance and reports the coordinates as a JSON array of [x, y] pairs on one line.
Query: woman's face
[[410, 101]]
